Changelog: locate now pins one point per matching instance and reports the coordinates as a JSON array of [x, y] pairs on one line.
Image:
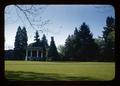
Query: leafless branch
[[32, 14], [32, 10], [25, 16], [19, 16]]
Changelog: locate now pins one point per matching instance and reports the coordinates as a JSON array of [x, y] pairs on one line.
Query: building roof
[[31, 45], [34, 46]]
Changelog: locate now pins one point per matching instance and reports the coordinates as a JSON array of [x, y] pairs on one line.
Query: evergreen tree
[[89, 49], [20, 43], [110, 25], [44, 43], [25, 38], [53, 53], [108, 36], [71, 45], [68, 47], [76, 32], [37, 40], [81, 45], [24, 42], [18, 39], [76, 43], [36, 37]]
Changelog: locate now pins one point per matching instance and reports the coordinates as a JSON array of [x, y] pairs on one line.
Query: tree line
[[20, 46], [79, 46]]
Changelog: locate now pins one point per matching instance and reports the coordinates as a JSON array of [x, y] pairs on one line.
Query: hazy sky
[[63, 20]]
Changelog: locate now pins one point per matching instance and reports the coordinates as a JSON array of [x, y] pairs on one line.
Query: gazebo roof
[[32, 45]]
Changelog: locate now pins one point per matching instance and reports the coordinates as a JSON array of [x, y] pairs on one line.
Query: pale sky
[[63, 20]]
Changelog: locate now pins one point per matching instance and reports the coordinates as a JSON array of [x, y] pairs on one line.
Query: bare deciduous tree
[[32, 14]]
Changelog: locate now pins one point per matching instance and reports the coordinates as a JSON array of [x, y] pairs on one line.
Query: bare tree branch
[[30, 10], [25, 16], [32, 16], [19, 16]]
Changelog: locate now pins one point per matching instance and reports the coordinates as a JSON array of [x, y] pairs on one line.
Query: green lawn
[[32, 70]]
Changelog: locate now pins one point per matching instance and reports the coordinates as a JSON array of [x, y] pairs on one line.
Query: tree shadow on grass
[[31, 76]]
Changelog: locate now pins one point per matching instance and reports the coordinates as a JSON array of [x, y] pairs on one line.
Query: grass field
[[31, 70]]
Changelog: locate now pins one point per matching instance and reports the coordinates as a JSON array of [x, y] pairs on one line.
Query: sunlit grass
[[32, 70]]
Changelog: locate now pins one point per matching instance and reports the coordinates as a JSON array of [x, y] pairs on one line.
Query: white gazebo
[[34, 52]]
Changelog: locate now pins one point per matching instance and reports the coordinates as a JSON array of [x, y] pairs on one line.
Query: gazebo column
[[26, 55]]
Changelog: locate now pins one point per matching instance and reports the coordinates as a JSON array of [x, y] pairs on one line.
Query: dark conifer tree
[[71, 47], [53, 53], [88, 49], [25, 38], [44, 43], [37, 40], [36, 37], [77, 43], [109, 43], [20, 43], [18, 38], [24, 42], [76, 32], [68, 48], [81, 45]]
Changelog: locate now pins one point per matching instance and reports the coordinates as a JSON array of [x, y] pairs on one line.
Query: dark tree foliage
[[71, 46], [24, 42], [100, 42], [37, 40], [9, 55], [18, 39], [25, 38], [68, 47], [110, 26], [53, 53], [81, 45], [88, 49], [44, 43], [76, 32], [20, 43], [108, 33]]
